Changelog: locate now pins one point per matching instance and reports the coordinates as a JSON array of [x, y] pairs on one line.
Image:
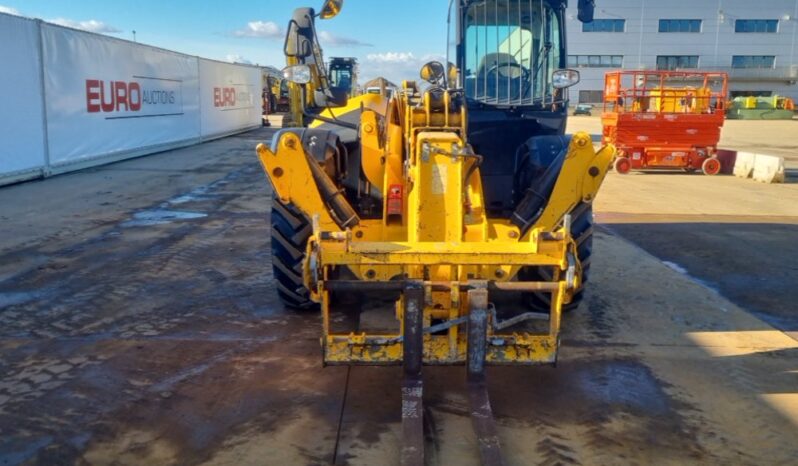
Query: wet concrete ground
[[139, 324], [753, 264]]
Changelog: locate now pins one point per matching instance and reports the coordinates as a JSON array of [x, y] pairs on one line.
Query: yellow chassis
[[451, 348]]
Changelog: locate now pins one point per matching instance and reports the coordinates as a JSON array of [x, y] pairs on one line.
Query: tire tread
[[290, 233]]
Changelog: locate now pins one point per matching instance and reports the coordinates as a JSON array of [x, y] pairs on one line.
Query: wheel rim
[[622, 165], [711, 166]]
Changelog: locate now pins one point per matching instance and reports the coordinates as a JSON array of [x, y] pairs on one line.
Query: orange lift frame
[[664, 119]]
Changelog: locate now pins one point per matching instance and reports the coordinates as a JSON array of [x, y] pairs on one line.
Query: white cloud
[[391, 57], [236, 58], [9, 10], [91, 25], [264, 29], [328, 38], [394, 66]]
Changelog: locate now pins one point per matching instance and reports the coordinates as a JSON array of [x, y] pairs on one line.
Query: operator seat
[[344, 83], [491, 84]]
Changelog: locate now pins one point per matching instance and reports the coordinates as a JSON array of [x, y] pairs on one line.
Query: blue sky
[[411, 31]]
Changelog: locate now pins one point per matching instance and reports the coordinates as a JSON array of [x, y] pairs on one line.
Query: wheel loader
[[343, 74], [458, 204]]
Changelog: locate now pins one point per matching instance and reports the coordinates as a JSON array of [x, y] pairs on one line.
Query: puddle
[[190, 197], [626, 384], [17, 297], [164, 214], [16, 451], [195, 195], [676, 267], [159, 217]]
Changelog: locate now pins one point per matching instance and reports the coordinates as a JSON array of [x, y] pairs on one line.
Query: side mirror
[[433, 72], [297, 44], [585, 10], [331, 8], [297, 74], [561, 79]]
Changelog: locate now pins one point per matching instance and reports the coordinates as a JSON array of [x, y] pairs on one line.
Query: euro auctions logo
[[224, 97], [235, 97], [143, 97]]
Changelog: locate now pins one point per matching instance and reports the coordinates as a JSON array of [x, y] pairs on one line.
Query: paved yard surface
[[139, 325], [736, 236]]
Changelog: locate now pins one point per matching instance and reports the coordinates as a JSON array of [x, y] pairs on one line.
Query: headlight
[[561, 79], [298, 74]]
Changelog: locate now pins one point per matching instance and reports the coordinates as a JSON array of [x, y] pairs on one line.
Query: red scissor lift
[[664, 119]]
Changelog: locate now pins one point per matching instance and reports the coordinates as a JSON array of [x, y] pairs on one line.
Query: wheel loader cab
[[508, 54], [343, 75]]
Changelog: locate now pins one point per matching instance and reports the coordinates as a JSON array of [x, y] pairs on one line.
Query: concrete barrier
[[744, 164], [761, 167], [768, 168]]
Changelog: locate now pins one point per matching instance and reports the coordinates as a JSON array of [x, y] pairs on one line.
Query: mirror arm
[[319, 58]]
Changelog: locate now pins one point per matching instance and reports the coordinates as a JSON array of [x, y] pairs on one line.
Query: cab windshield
[[341, 77], [511, 49]]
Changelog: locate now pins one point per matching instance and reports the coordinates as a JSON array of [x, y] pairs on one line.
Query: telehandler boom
[[462, 204]]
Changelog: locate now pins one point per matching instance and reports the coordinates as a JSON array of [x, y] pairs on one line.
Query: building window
[[680, 25], [675, 62], [604, 25], [751, 94], [753, 61], [595, 61], [591, 97], [756, 25]]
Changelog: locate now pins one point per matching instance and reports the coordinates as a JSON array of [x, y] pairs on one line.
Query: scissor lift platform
[[664, 119]]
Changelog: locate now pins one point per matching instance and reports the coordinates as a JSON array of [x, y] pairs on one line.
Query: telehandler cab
[[451, 202]]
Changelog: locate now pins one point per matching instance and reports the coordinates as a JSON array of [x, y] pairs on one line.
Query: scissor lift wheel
[[711, 166], [622, 165]]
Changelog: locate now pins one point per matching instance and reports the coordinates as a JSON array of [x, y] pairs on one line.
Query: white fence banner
[[22, 141], [74, 99], [230, 96], [109, 97]]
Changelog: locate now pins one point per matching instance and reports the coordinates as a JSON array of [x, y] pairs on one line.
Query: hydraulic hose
[[341, 211]]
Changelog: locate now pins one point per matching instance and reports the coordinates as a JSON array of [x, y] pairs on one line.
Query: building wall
[[715, 44]]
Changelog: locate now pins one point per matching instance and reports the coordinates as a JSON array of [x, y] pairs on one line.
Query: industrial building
[[753, 41]]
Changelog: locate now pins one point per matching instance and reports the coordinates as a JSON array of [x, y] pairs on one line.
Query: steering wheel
[[509, 70], [512, 71]]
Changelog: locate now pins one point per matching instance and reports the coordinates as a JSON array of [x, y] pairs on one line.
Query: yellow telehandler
[[461, 203]]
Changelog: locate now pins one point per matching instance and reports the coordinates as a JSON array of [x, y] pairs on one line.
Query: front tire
[[290, 233], [582, 232]]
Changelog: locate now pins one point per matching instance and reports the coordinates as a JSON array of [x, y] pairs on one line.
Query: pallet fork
[[412, 384]]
